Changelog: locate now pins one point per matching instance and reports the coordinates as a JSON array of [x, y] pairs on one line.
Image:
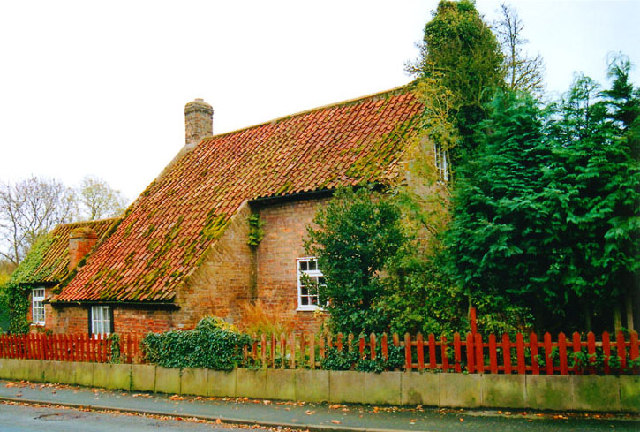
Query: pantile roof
[[48, 260], [166, 231]]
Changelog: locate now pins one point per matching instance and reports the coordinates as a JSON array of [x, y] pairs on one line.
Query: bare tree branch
[[522, 72]]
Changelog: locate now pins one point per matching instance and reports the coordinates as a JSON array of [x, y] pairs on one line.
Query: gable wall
[[285, 228], [222, 283]]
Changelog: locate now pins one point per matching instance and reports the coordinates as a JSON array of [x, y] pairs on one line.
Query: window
[[37, 310], [100, 320], [309, 276], [442, 163]]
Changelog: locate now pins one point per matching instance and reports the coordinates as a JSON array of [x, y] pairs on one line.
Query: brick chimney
[[198, 122], [81, 241]]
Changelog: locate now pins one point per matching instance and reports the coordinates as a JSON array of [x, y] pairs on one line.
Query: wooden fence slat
[[506, 354], [444, 353], [303, 350], [577, 349], [372, 343], [292, 347], [533, 348], [361, 344], [520, 353], [312, 351], [432, 352], [634, 349], [562, 351], [407, 351], [420, 348], [272, 351], [470, 354], [283, 350], [263, 350], [457, 349], [473, 321]]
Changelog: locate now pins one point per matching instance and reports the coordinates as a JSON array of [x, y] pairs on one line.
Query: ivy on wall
[[21, 282]]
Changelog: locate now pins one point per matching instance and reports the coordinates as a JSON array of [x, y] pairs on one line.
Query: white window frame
[[37, 306], [441, 160], [316, 273], [100, 320]]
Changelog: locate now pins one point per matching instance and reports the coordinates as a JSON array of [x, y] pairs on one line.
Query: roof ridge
[[69, 224], [395, 91]]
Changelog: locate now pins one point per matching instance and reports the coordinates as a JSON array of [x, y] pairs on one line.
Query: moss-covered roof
[[48, 259], [166, 231]]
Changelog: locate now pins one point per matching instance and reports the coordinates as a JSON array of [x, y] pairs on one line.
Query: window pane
[[312, 265], [303, 265]]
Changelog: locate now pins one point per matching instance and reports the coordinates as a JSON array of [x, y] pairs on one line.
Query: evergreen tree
[[461, 52], [494, 240], [546, 218]]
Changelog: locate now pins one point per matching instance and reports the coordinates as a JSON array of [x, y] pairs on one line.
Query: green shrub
[[351, 359], [213, 344]]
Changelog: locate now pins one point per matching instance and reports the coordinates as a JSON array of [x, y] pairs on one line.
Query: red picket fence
[[69, 348], [471, 353]]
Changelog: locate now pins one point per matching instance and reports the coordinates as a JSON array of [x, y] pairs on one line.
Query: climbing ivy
[[213, 344], [256, 231], [22, 280]]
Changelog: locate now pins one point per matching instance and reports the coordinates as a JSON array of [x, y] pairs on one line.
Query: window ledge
[[309, 308]]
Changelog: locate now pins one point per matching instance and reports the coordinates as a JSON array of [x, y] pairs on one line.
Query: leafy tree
[[462, 54], [521, 72], [98, 200], [495, 250], [546, 217], [29, 209], [594, 185], [355, 238]]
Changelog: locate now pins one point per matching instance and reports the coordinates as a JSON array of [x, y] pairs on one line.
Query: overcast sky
[[89, 87]]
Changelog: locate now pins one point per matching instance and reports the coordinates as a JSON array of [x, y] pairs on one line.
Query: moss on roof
[[48, 259], [168, 229]]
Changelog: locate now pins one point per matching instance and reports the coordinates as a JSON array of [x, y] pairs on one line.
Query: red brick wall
[[285, 227], [68, 319], [222, 283], [141, 321], [221, 286]]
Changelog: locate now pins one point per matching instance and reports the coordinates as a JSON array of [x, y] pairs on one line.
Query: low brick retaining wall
[[565, 393]]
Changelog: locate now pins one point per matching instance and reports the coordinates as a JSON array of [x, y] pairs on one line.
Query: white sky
[[98, 87]]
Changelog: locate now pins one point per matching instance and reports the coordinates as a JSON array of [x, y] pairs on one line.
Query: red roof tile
[[49, 258], [170, 226]]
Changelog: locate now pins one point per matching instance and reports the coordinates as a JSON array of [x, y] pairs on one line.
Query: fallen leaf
[[336, 421], [309, 412], [462, 419], [218, 421]]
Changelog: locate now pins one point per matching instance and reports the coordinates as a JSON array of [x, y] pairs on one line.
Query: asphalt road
[[30, 418]]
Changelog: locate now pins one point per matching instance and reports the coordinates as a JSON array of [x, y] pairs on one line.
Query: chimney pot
[[198, 122], [81, 241]]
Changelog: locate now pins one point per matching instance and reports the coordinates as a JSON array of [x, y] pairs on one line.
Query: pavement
[[308, 416]]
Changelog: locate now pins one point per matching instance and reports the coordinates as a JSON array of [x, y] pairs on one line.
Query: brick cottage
[[182, 251]]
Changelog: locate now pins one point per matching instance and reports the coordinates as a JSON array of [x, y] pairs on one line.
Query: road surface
[[31, 418]]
